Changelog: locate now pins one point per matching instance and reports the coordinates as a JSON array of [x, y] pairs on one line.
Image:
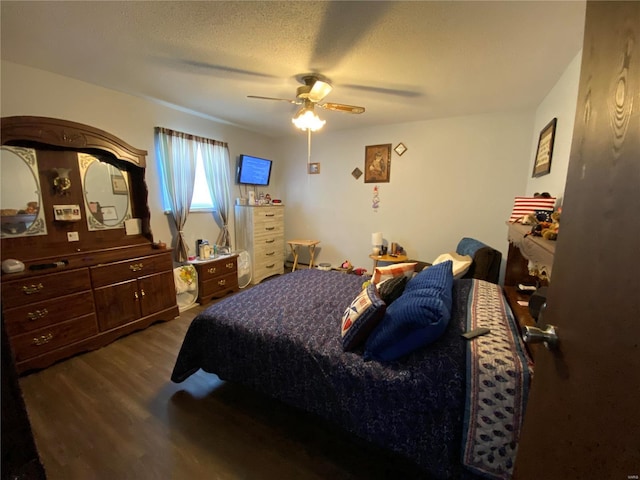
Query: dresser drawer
[[44, 340], [115, 272], [268, 229], [268, 254], [268, 214], [267, 269], [268, 241], [221, 284], [30, 290], [41, 314], [210, 270]]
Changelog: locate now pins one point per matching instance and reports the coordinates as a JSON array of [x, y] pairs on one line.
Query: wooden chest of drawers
[[48, 312], [216, 277], [132, 289], [54, 315], [260, 231]]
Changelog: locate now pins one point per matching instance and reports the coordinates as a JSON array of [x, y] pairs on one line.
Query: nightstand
[[388, 258]]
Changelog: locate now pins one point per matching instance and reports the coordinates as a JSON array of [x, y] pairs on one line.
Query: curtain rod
[[176, 133]]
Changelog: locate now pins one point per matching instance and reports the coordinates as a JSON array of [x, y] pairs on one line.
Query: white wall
[[27, 91], [457, 178], [560, 103]]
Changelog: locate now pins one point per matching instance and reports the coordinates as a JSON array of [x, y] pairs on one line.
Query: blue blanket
[[282, 338]]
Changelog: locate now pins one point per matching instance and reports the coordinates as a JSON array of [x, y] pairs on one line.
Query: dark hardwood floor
[[114, 414]]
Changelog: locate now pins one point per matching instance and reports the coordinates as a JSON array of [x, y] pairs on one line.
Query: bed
[[453, 407]]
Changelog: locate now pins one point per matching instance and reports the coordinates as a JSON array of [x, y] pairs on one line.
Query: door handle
[[548, 335]]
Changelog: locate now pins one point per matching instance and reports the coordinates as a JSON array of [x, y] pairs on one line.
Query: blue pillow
[[419, 317]]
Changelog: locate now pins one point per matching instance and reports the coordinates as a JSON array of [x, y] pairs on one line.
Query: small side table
[[310, 244], [387, 258]]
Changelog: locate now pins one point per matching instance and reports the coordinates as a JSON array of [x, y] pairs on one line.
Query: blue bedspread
[[282, 337]]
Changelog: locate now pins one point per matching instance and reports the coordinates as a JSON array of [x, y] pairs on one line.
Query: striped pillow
[[523, 206], [395, 270], [362, 316]]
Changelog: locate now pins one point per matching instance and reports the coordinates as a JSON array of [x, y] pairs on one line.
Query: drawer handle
[[222, 282], [135, 295], [269, 214], [230, 265], [211, 270], [142, 294], [271, 266], [30, 289], [136, 267], [43, 339], [269, 228], [270, 254], [270, 241], [38, 314]]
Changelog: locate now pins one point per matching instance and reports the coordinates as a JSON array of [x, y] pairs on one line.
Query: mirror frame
[[57, 143], [39, 224], [85, 161]]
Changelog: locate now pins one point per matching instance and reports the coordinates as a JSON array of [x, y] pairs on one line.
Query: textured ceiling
[[403, 61]]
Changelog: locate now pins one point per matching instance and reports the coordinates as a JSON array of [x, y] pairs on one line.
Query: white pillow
[[461, 263]]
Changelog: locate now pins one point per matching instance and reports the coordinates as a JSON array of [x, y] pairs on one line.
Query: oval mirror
[[20, 212], [106, 193]]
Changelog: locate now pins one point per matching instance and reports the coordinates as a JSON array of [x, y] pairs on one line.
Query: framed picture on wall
[[119, 185], [542, 165], [313, 168], [377, 163], [109, 213]]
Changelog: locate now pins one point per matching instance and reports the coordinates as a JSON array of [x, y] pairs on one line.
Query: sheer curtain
[[176, 152], [215, 156]]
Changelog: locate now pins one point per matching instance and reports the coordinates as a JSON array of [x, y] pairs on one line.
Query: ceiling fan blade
[[340, 107], [295, 102]]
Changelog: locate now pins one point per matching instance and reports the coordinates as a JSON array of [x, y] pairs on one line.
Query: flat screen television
[[253, 170]]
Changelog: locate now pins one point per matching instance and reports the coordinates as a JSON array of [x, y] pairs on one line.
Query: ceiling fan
[[314, 89]]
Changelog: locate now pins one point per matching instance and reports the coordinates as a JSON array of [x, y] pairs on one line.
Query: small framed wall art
[[119, 185], [400, 149], [313, 168], [377, 163], [542, 164]]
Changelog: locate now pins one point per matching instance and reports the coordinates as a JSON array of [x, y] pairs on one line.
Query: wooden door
[[117, 304], [583, 414], [157, 292]]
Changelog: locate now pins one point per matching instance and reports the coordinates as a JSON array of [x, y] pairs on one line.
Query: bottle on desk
[[205, 250]]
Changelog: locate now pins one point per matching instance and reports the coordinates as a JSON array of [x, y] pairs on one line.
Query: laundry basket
[[186, 280]]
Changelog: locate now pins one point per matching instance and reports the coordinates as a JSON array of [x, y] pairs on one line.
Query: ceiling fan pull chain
[[308, 146]]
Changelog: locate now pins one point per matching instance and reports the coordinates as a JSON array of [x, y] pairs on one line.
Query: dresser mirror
[[78, 167], [21, 214], [106, 193]]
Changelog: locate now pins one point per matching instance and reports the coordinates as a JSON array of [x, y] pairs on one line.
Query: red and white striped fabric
[[525, 205], [395, 270]]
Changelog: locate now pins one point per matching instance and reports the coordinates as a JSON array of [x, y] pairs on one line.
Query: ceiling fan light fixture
[[306, 119]]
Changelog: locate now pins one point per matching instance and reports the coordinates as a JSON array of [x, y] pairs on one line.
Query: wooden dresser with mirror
[[74, 212]]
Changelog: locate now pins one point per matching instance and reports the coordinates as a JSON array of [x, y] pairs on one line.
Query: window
[[201, 200]]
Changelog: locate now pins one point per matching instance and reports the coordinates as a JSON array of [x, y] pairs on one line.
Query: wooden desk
[[310, 244], [387, 258]]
